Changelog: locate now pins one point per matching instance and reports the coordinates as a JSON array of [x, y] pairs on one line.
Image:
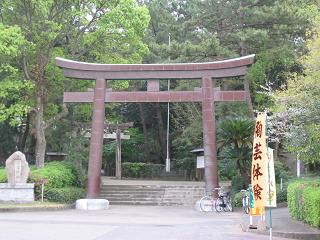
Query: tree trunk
[[24, 135], [145, 133], [248, 97], [40, 136], [161, 132]]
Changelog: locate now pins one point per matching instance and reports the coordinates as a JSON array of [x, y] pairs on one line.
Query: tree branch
[[57, 117]]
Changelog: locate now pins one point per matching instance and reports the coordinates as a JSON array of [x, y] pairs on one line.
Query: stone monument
[[17, 189]]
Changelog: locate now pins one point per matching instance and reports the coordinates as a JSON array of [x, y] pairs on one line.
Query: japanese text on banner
[[259, 169]]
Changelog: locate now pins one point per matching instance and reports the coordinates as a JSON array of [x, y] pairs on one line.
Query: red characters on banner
[[256, 171], [257, 192], [258, 129], [257, 152]]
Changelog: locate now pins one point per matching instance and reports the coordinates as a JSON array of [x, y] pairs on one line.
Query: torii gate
[[207, 95]]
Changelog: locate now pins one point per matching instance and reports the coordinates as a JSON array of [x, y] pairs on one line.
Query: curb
[[37, 209], [290, 235]]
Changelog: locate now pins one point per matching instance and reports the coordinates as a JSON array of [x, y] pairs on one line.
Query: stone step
[[149, 186], [165, 195], [145, 203], [142, 203], [131, 191]]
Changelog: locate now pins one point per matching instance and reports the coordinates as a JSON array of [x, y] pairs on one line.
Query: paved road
[[124, 222]]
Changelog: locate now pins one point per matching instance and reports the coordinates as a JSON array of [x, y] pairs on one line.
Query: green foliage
[[281, 194], [227, 169], [304, 201], [235, 143], [237, 183], [3, 175], [299, 103], [58, 174], [65, 195], [141, 170], [78, 152], [237, 199], [11, 41]]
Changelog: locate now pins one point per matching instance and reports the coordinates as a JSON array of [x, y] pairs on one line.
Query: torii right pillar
[[209, 135]]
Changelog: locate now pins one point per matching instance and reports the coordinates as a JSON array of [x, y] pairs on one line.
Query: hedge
[[3, 175], [60, 180], [141, 170], [64, 195], [58, 174], [304, 201]]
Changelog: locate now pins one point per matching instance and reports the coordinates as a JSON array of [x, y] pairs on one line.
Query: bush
[[141, 170], [58, 174], [65, 195], [237, 199], [281, 171], [3, 176], [304, 201], [237, 184], [281, 194]]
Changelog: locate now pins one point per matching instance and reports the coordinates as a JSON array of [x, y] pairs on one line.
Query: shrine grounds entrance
[[207, 95]]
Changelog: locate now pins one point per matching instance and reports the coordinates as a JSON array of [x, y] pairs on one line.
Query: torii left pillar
[[96, 140]]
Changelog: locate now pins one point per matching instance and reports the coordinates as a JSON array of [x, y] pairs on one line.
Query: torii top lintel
[[226, 68]]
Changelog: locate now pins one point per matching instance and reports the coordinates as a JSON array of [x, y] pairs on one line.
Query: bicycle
[[222, 202], [245, 201]]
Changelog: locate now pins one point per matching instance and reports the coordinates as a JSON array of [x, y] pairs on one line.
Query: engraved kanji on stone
[[258, 129], [256, 171], [257, 152], [257, 192]]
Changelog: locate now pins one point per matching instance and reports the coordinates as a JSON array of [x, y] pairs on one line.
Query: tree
[[14, 89], [81, 30], [235, 136], [300, 103]]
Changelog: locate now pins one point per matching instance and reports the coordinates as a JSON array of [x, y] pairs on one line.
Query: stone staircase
[[156, 195]]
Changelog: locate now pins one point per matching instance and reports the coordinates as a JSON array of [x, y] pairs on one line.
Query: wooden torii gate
[[207, 95]]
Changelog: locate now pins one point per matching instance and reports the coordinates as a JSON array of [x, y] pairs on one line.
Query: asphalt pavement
[[125, 222]]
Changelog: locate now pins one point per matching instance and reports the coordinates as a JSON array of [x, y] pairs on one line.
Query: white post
[[42, 187], [298, 166], [281, 186], [168, 118]]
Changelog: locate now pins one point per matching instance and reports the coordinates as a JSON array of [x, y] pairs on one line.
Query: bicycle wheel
[[219, 204], [206, 204], [245, 204]]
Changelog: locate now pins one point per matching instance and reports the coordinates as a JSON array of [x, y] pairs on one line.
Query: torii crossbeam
[[207, 95]]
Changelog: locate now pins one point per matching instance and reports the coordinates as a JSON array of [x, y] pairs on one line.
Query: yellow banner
[[259, 169], [272, 197]]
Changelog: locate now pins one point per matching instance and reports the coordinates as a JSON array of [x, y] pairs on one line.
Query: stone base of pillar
[[92, 204]]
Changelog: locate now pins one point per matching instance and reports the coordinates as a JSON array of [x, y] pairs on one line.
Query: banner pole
[[269, 181]]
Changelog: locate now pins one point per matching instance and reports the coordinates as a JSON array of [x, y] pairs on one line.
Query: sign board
[[259, 169], [109, 136], [114, 136], [272, 197], [200, 161]]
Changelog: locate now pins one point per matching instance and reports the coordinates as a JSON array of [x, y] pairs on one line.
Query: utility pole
[[168, 118]]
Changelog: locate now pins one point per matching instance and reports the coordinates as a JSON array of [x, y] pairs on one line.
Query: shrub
[[281, 194], [237, 199], [304, 201], [281, 171], [141, 170], [237, 183], [65, 195], [3, 175], [58, 174]]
